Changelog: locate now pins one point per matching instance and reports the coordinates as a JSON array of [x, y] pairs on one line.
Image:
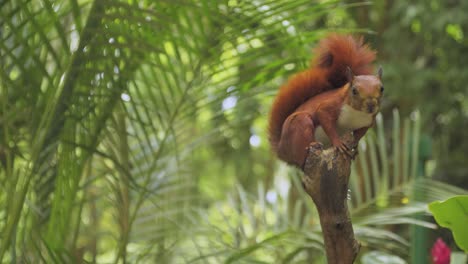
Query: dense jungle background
[[135, 131]]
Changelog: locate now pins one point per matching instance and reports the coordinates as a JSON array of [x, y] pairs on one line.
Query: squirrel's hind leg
[[296, 135]]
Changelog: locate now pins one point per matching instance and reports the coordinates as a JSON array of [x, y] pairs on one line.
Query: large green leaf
[[453, 214]]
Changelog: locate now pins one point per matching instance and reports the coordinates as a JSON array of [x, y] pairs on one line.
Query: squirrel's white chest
[[350, 119]]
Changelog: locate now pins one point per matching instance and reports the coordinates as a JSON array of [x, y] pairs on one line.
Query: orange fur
[[328, 72]]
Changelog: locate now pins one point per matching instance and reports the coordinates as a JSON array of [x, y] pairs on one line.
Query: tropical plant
[[103, 104], [450, 214]]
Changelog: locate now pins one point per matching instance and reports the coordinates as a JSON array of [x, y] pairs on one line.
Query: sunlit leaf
[[453, 214]]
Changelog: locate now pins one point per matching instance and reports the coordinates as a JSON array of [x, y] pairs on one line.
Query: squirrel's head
[[365, 91]]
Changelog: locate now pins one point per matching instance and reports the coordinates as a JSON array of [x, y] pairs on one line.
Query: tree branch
[[326, 181]]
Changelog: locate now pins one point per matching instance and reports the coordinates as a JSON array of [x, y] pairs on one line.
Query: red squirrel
[[336, 95]]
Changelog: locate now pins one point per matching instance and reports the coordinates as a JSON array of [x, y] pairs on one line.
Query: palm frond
[[106, 96]]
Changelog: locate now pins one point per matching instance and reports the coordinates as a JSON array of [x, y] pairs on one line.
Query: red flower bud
[[440, 252]]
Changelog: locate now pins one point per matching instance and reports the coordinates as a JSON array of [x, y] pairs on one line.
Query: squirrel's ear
[[349, 74], [379, 72]]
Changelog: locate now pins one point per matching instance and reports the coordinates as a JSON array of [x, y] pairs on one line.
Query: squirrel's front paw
[[343, 148]]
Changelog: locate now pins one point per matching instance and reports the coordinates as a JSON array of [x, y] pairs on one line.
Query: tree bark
[[326, 181]]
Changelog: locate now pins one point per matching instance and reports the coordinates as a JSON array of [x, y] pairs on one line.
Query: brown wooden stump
[[326, 180]]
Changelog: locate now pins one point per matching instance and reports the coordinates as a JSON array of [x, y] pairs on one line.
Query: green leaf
[[453, 214]]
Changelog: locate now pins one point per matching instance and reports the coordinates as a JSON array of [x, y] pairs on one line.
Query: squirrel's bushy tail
[[337, 52], [328, 71]]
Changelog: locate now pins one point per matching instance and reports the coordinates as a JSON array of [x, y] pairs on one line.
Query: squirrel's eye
[[381, 89], [355, 92]]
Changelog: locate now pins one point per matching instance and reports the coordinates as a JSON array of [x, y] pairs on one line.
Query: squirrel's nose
[[370, 107]]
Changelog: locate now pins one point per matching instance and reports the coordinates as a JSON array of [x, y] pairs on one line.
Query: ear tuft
[[380, 72], [349, 74]]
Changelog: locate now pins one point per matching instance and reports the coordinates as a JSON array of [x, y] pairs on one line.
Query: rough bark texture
[[326, 181]]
